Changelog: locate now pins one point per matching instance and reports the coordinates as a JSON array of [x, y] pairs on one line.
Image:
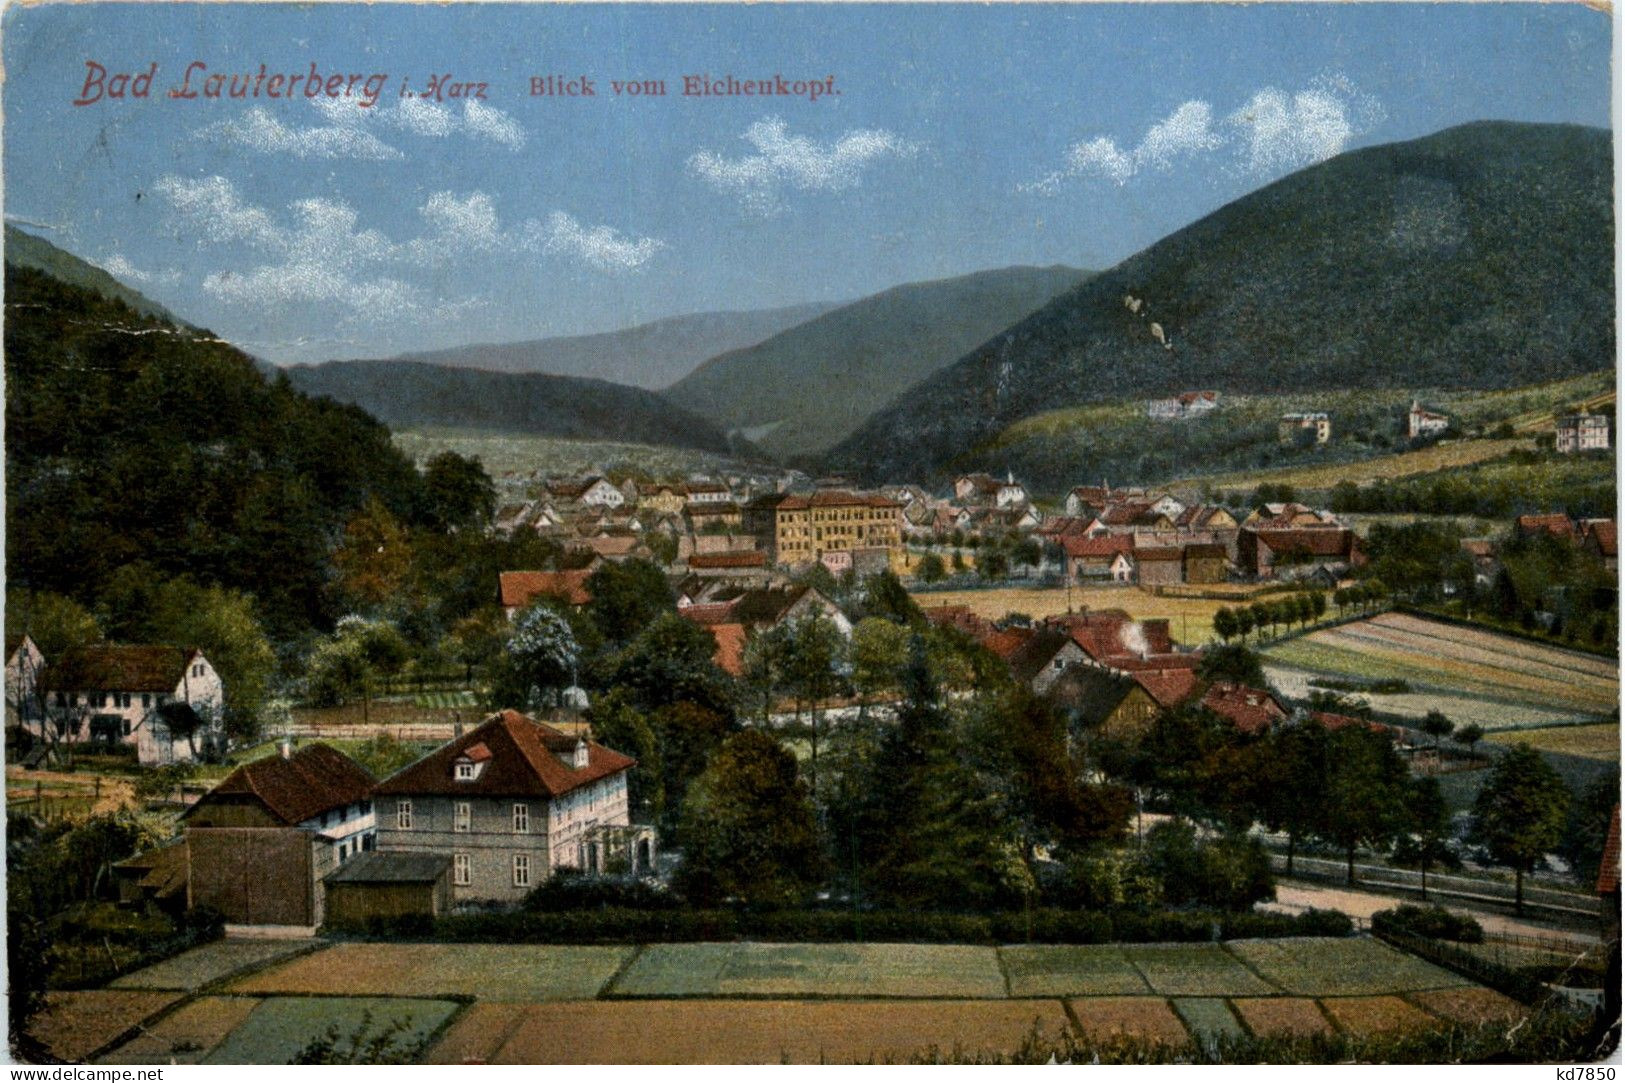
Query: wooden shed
[[387, 885]]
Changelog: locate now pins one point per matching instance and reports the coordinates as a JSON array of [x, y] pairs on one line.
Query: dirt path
[[1295, 896]]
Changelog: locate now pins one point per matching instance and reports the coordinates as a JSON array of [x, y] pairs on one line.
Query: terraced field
[[1596, 742], [743, 1002], [1470, 674]]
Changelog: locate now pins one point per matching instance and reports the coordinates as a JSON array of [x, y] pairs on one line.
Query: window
[[403, 814], [126, 727], [343, 852], [462, 818], [367, 840], [465, 772], [459, 870], [521, 870], [521, 819], [146, 699]]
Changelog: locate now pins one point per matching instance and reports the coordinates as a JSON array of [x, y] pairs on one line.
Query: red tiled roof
[[1340, 721], [1152, 554], [113, 668], [477, 753], [313, 780], [1105, 546], [1557, 524], [519, 589], [1604, 535], [1169, 687], [1006, 641], [730, 653], [1250, 710], [1320, 542], [524, 763], [708, 613], [745, 558], [1608, 871]]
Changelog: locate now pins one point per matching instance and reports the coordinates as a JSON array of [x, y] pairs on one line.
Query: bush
[[560, 893], [1433, 922]]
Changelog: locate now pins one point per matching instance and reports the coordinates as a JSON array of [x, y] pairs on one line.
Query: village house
[[662, 499], [1420, 422], [1186, 405], [1105, 559], [519, 590], [1481, 551], [705, 491], [1098, 701], [713, 517], [795, 530], [1036, 656], [1583, 432], [597, 492], [1304, 430], [1205, 564], [259, 843], [1600, 538], [762, 609], [1091, 500], [1251, 711], [984, 490], [1168, 685], [511, 801], [1298, 553], [1557, 525], [1159, 566], [166, 702], [25, 664]]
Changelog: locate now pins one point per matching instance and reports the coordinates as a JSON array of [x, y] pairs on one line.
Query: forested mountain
[[650, 355], [26, 250], [130, 438], [408, 394], [803, 390], [1481, 256]]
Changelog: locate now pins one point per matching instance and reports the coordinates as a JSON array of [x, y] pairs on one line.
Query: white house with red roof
[[167, 702], [511, 801]]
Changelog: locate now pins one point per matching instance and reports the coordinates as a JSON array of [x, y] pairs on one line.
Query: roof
[[381, 867], [163, 869], [1608, 870], [1557, 524], [1102, 547], [730, 653], [1604, 535], [1091, 694], [708, 613], [1169, 687], [718, 507], [744, 558], [1004, 642], [1340, 721], [119, 668], [519, 589], [1152, 554], [311, 781], [1317, 541], [1250, 710], [525, 762]]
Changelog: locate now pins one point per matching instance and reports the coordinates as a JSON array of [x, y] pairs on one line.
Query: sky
[[907, 142]]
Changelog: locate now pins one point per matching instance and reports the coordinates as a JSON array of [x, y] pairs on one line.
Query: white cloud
[[597, 246], [1273, 133], [212, 208], [125, 271], [419, 116], [783, 160], [258, 130]]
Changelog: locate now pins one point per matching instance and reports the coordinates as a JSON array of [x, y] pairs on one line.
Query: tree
[[1245, 622], [617, 724], [747, 827], [1430, 824], [225, 625], [477, 639], [352, 661], [815, 659], [456, 494], [1231, 663], [930, 569], [542, 652], [1438, 727], [1292, 769], [1586, 833], [627, 598], [56, 624], [373, 559], [670, 662], [765, 661], [884, 596], [1224, 623], [1469, 734], [1520, 812], [1366, 792], [879, 651]]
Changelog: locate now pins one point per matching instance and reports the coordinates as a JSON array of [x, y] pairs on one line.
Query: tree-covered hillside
[[131, 439], [407, 394], [1481, 256]]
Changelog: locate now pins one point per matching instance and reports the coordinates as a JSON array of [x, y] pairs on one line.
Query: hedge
[[1042, 926], [1434, 922]]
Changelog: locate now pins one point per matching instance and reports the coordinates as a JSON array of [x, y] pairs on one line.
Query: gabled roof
[[112, 668], [519, 589], [1558, 524], [312, 781], [1317, 541], [1604, 536], [1102, 547], [1091, 694], [745, 558], [525, 762], [1153, 554], [1169, 687], [1251, 710], [730, 652]]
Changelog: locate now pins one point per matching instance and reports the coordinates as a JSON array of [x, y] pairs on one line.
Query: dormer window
[[465, 772], [471, 764]]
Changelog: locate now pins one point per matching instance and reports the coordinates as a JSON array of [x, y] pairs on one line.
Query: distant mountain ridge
[[27, 250], [412, 394], [1480, 256], [806, 388], [650, 355]]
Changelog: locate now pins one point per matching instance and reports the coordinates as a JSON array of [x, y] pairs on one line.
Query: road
[[1295, 896]]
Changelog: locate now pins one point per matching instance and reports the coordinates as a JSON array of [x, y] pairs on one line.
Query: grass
[[279, 1028], [1208, 1017], [1375, 1015], [1404, 464], [504, 453], [812, 970], [1194, 970], [1591, 742], [74, 1025], [1339, 968], [1190, 620], [1293, 1016], [1102, 1018], [187, 1035], [1068, 970], [1470, 1004], [202, 966], [507, 972]]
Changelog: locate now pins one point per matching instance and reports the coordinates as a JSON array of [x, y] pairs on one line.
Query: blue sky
[[962, 138]]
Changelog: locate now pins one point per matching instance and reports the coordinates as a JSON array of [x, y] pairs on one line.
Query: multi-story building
[[1305, 429], [795, 529], [1420, 422], [1582, 432], [509, 802], [165, 701]]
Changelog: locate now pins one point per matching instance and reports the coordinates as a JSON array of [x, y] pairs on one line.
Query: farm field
[[518, 453], [1404, 464], [1470, 674], [210, 963], [754, 1002], [1594, 742], [1190, 620]]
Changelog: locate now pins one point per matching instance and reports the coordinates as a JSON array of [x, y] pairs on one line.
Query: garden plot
[[1290, 1016], [1375, 1015], [74, 1025], [187, 1035], [774, 1031], [1471, 1004], [487, 971], [192, 970], [1067, 970], [279, 1028], [1144, 1017], [1208, 1017], [1325, 967], [812, 970], [1595, 742], [1194, 970], [1494, 644]]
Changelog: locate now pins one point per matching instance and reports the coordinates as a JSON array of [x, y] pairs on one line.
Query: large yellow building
[[797, 529]]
